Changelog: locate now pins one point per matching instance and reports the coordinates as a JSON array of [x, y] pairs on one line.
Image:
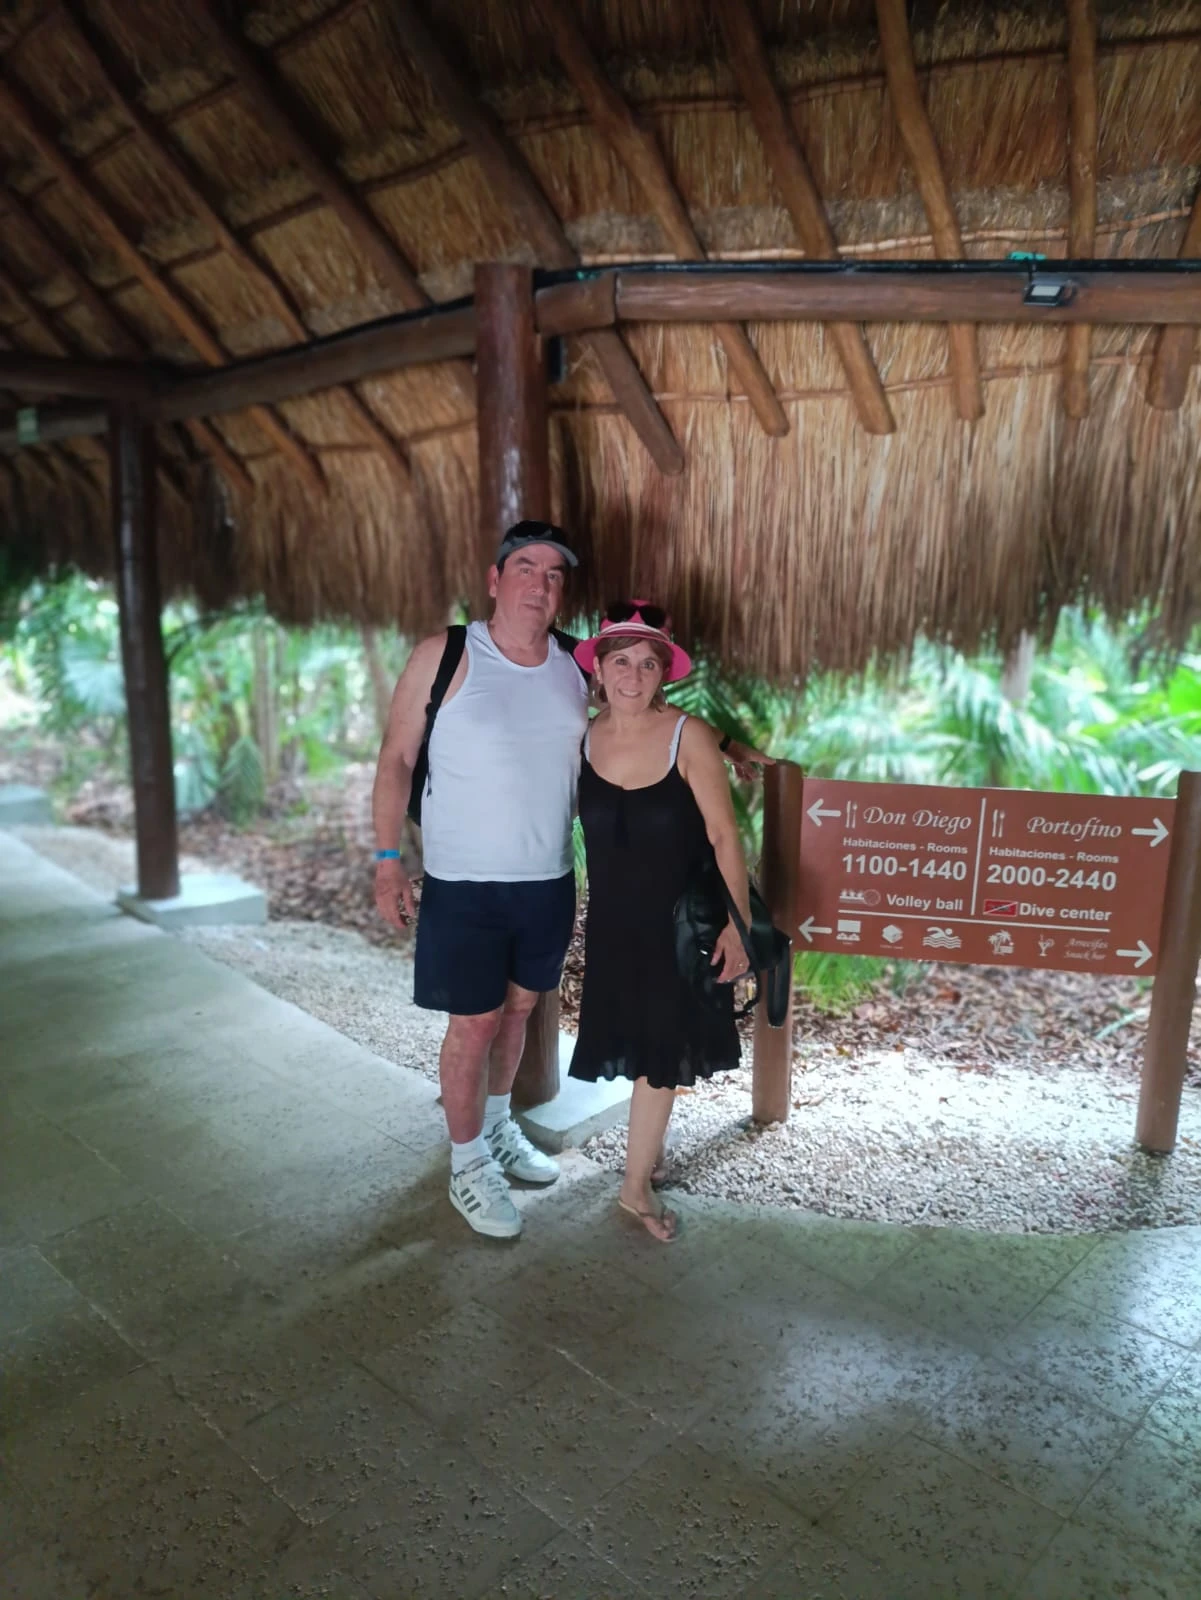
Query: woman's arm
[[704, 770]]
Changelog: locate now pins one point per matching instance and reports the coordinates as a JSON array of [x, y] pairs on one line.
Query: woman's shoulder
[[696, 735]]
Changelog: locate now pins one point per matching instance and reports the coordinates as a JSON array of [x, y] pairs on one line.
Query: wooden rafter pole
[[22, 113], [639, 152], [98, 53], [790, 169], [1175, 348], [277, 109], [511, 180], [1082, 184], [126, 342], [896, 45]]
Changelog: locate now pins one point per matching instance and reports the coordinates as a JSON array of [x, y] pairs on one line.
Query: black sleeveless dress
[[638, 1017]]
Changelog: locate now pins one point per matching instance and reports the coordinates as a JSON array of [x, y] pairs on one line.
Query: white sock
[[463, 1155], [496, 1110]]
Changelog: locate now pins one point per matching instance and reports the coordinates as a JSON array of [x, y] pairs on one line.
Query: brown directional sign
[[996, 877]]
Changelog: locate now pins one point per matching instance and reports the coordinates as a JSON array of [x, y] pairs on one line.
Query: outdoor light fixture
[[1048, 289]]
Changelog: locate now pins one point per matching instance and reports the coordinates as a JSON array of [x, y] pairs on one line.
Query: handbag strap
[[744, 933]]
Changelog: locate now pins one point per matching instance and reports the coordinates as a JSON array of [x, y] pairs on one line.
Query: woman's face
[[631, 676]]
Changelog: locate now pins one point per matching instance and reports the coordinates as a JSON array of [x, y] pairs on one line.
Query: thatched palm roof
[[821, 546]]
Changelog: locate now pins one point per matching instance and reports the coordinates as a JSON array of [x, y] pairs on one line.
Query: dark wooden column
[[514, 459], [511, 400], [136, 552], [779, 878]]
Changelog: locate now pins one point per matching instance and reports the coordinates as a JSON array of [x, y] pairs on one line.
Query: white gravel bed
[[881, 1135], [886, 1136], [892, 1137]]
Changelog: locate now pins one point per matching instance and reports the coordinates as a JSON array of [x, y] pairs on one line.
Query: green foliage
[[62, 651], [837, 983], [243, 786]]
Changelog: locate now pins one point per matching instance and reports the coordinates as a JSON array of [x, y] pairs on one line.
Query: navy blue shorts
[[474, 939]]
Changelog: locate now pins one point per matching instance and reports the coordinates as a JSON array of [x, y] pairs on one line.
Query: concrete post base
[[205, 899], [578, 1111], [21, 804]]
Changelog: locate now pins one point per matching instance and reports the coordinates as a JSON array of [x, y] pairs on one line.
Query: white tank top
[[504, 764]]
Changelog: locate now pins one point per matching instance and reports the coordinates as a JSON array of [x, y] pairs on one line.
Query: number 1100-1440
[[893, 867]]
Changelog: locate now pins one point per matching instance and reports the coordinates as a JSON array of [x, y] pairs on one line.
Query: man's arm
[[394, 776]]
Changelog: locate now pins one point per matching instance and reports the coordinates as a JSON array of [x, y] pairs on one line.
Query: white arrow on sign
[[1157, 834], [808, 928], [817, 811], [1141, 956]]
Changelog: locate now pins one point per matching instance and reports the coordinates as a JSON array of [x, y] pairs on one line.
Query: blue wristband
[[387, 855]]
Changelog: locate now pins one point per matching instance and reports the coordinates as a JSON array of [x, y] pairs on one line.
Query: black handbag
[[701, 913]]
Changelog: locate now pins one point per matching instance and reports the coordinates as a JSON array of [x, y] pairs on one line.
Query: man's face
[[528, 589]]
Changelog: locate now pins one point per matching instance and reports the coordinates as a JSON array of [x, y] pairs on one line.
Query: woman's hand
[[394, 894], [748, 763], [731, 954]]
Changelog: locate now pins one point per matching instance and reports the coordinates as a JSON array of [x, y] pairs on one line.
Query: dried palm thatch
[[828, 546]]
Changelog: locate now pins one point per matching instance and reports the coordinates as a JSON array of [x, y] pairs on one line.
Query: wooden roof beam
[[909, 108], [96, 52], [640, 154], [32, 373], [1172, 363], [1082, 185], [126, 341], [510, 177], [29, 118], [787, 163], [1114, 293]]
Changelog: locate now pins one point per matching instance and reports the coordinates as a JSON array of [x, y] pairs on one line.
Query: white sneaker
[[481, 1194], [517, 1157]]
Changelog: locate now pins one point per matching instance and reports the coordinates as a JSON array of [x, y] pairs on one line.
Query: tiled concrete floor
[[248, 1351]]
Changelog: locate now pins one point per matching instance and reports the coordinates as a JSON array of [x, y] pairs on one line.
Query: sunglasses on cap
[[632, 610]]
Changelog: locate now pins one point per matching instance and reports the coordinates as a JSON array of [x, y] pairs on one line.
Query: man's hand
[[394, 895], [747, 762]]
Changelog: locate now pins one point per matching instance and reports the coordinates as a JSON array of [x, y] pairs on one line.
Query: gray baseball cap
[[531, 531]]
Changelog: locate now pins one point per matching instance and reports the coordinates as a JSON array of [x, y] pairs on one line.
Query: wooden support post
[[136, 551], [514, 459], [1165, 1053], [779, 879]]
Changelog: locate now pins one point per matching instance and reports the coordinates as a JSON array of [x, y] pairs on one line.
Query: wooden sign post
[[1006, 877]]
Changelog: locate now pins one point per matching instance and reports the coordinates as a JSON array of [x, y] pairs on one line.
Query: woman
[[653, 800]]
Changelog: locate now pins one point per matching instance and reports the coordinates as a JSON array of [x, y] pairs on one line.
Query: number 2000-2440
[[1061, 878]]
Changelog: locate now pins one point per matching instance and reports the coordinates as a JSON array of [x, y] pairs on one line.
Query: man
[[498, 903]]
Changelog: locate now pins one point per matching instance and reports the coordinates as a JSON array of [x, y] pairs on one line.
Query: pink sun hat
[[636, 619]]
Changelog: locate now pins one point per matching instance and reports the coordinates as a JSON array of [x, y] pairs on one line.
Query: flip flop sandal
[[654, 1216]]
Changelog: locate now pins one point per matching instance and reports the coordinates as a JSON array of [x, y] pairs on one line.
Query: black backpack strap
[[452, 654], [568, 642]]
